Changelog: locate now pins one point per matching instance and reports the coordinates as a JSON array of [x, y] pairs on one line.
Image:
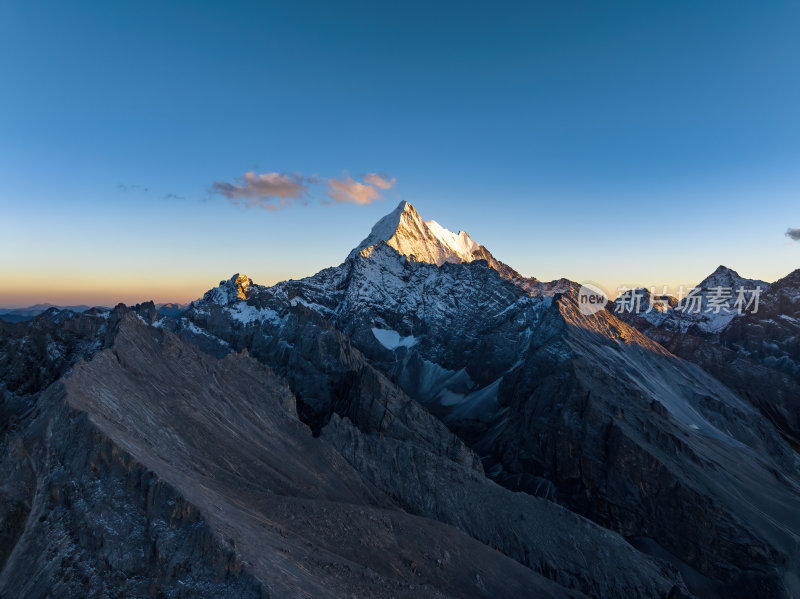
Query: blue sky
[[615, 142]]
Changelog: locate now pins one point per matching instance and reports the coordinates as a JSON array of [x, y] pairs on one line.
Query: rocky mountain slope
[[156, 469], [755, 353], [420, 420], [582, 410]]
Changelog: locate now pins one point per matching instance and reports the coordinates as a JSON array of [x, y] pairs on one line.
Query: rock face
[[706, 310], [157, 470], [533, 531], [756, 353], [582, 410], [771, 336], [419, 421], [80, 517]]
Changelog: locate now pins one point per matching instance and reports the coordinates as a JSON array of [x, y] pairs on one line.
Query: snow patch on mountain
[[246, 314], [392, 340]]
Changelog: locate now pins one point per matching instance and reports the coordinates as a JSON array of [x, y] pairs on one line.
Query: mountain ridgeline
[[418, 421]]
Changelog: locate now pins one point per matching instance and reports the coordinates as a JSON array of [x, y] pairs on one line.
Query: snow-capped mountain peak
[[427, 241], [460, 243], [405, 231]]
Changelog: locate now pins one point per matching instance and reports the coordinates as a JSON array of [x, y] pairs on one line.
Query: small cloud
[[173, 196], [271, 191], [379, 180], [349, 190], [132, 187], [793, 234], [262, 190]]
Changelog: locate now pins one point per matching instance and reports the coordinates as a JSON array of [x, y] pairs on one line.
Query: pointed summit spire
[[427, 241], [404, 230]]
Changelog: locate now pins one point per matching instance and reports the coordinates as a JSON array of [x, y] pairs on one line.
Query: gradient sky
[[616, 142]]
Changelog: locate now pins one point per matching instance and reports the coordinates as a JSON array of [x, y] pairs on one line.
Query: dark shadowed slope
[[584, 410], [231, 490]]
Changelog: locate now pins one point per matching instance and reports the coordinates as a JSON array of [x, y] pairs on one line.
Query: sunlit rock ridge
[[427, 241]]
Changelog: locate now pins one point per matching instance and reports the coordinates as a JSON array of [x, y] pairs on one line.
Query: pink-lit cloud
[[271, 191], [379, 180], [266, 190], [350, 190]]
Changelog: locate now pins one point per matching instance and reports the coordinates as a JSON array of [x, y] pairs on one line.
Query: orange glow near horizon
[[26, 288], [21, 289]]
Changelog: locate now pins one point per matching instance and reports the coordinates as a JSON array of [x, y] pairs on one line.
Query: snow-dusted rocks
[[706, 309], [583, 409], [228, 291]]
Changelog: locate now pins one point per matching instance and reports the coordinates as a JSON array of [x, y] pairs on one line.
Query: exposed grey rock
[[437, 353], [81, 518], [583, 410], [537, 533], [259, 505], [327, 374]]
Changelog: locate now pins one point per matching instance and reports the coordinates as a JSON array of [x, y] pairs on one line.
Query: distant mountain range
[[23, 314], [418, 421]]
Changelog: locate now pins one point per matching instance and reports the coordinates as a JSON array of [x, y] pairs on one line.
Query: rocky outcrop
[[757, 354], [82, 518], [345, 434], [771, 336], [159, 470], [327, 374], [535, 532], [653, 448], [583, 410]]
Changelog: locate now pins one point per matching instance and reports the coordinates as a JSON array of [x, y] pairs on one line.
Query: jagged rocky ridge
[[756, 353], [424, 383], [154, 469], [582, 410]]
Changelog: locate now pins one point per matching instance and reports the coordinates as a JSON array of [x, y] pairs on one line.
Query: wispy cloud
[[379, 180], [132, 187], [271, 191], [793, 234], [266, 190], [173, 196], [350, 190]]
